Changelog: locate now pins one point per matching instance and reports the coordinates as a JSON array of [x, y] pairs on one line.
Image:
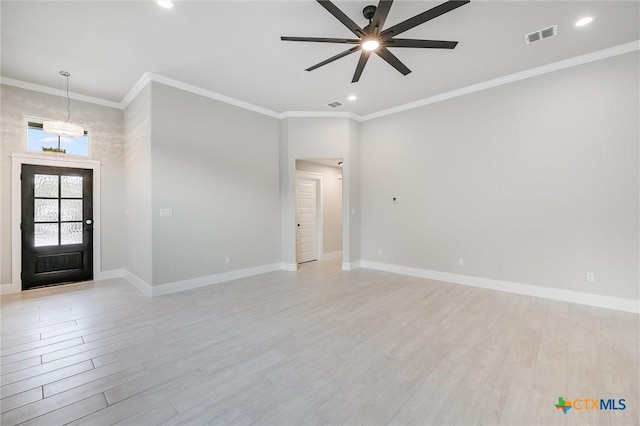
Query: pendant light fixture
[[64, 128]]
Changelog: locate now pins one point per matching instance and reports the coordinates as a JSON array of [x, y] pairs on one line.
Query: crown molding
[[210, 94], [533, 72], [135, 90], [149, 77], [57, 92], [319, 114]]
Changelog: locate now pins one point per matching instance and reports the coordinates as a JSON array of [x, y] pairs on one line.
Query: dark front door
[[57, 225]]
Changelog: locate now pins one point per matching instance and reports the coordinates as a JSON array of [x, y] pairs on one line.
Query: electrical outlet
[[379, 252], [461, 262], [227, 259], [591, 277]]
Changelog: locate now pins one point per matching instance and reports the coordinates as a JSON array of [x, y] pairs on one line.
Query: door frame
[[17, 160], [317, 177]]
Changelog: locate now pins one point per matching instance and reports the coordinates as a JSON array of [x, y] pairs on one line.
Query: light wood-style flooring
[[317, 346]]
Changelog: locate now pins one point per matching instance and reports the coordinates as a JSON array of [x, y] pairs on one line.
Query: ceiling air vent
[[540, 34], [334, 104]]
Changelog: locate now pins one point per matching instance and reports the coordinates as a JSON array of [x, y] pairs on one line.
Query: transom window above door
[[41, 141]]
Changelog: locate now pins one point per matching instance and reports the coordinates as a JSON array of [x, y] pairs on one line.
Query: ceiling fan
[[372, 38]]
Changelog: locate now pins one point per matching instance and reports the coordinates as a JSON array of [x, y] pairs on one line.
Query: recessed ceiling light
[[584, 21], [167, 4], [352, 98], [370, 45]]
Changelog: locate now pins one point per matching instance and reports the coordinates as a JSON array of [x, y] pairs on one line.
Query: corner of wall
[[137, 159]]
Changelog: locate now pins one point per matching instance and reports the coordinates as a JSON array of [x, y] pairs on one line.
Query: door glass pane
[[71, 210], [71, 233], [71, 186], [45, 185], [45, 210], [45, 234]]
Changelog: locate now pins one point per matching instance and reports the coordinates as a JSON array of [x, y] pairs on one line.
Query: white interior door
[[306, 215]]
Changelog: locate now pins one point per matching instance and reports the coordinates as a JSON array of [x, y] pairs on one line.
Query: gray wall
[[106, 138], [137, 156], [216, 166], [533, 182], [302, 138], [331, 203]]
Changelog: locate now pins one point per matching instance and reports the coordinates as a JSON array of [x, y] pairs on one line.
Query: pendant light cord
[[68, 101]]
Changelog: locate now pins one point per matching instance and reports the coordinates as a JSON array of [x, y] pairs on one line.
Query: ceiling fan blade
[[322, 39], [340, 16], [382, 11], [426, 44], [333, 58], [423, 17], [384, 53], [364, 57]]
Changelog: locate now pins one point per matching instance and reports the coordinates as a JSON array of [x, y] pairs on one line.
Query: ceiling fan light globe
[[166, 4], [584, 21], [370, 45]]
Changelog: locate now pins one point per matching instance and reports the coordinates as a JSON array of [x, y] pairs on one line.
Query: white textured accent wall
[[137, 162], [105, 127]]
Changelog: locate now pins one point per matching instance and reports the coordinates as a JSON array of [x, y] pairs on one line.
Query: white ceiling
[[233, 47]]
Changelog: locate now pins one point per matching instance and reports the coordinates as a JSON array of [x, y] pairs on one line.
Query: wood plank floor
[[317, 346]]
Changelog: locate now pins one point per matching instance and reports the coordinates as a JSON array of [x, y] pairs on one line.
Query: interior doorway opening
[[318, 218]]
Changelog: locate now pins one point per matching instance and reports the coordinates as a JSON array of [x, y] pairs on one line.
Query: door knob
[[298, 225]]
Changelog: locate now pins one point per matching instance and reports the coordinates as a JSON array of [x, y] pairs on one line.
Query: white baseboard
[[289, 266], [104, 275], [107, 275], [10, 288], [617, 303], [350, 266], [140, 284], [332, 255], [177, 286]]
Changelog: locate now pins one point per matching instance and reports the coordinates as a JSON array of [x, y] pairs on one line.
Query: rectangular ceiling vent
[[540, 34], [334, 104]]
